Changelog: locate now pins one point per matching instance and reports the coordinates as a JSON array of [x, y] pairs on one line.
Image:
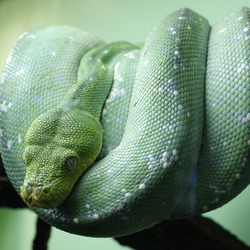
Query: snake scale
[[108, 139]]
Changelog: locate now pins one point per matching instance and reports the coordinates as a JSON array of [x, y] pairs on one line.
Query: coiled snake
[[117, 138]]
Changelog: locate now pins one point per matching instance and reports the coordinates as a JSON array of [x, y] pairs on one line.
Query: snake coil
[[176, 121]]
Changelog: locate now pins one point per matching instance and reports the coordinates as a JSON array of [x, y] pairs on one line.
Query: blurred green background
[[111, 20]]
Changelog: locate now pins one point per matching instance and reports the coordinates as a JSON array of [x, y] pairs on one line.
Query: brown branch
[[43, 231], [189, 234]]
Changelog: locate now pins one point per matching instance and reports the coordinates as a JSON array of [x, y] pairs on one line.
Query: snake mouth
[[37, 196], [33, 201]]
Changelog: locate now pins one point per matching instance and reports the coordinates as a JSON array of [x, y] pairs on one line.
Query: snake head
[[59, 146], [47, 184]]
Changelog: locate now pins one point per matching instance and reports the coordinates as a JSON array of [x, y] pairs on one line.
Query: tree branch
[[189, 234]]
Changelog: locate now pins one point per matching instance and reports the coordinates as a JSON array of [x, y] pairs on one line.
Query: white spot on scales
[[23, 35], [76, 220], [176, 52], [142, 186], [9, 144], [130, 55], [238, 176], [19, 138], [246, 29], [20, 72], [117, 76], [222, 30], [242, 67], [127, 195], [53, 53], [87, 206], [116, 94], [62, 218], [95, 216], [5, 107], [245, 119], [175, 93], [32, 36]]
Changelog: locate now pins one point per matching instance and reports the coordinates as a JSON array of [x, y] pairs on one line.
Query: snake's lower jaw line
[[37, 197]]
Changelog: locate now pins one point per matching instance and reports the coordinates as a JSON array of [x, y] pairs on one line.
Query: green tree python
[[108, 139]]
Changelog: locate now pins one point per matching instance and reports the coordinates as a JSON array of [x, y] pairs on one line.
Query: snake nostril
[[29, 190]]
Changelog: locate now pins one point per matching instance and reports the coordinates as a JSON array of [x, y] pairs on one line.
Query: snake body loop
[[176, 121]]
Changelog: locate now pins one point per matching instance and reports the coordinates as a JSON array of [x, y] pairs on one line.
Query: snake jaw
[[37, 196]]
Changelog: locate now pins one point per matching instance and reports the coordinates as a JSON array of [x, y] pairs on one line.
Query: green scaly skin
[[115, 139]]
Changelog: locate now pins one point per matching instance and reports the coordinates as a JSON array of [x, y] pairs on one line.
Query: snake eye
[[71, 163]]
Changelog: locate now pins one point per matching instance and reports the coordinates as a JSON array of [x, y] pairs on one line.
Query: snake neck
[[95, 78]]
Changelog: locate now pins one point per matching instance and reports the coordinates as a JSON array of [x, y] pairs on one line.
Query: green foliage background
[[111, 20]]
